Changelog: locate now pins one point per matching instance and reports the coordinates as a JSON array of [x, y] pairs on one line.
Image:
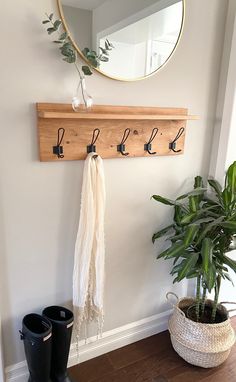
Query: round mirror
[[125, 40]]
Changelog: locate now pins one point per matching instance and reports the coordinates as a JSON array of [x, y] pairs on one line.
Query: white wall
[[223, 149], [39, 202]]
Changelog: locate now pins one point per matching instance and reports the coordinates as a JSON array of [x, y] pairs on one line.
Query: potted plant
[[201, 235]]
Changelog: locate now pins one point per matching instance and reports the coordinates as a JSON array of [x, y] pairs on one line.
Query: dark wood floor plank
[[151, 360], [90, 370], [139, 350]]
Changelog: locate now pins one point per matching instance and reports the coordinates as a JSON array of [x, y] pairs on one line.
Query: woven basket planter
[[204, 345]]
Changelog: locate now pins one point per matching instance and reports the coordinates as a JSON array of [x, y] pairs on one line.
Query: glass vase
[[82, 101]]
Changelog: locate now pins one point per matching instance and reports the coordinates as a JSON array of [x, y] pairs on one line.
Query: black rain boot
[[62, 324], [37, 336]]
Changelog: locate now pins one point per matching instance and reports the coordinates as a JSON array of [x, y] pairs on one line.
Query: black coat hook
[[92, 148], [148, 146], [121, 146], [172, 145], [58, 149]]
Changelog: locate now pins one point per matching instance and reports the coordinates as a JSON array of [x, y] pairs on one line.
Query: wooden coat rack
[[65, 134]]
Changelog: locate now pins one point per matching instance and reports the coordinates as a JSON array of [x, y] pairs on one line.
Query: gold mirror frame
[[59, 5]]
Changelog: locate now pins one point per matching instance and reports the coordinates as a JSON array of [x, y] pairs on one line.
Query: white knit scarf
[[88, 276]]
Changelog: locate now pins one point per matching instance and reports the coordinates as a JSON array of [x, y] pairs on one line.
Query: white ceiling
[[83, 4]]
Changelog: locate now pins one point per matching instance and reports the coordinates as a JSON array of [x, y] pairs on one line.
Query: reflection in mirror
[[142, 33]]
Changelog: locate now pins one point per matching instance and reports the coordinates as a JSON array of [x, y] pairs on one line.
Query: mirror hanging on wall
[[133, 38]]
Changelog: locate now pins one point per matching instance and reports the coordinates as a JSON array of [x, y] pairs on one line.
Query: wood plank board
[[79, 131]]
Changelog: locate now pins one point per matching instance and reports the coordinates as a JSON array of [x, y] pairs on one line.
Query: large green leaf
[[190, 234], [204, 220], [227, 276], [210, 277], [193, 203], [188, 266], [229, 224], [231, 178], [216, 187], [162, 200], [198, 182], [208, 228], [196, 192], [161, 233], [192, 275], [188, 218], [175, 250], [177, 268], [178, 215], [226, 196], [206, 252], [231, 263], [176, 237]]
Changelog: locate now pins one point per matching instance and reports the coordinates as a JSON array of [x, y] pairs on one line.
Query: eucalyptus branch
[[69, 52]]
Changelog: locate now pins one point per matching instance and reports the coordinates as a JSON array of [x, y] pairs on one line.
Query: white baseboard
[[111, 340]]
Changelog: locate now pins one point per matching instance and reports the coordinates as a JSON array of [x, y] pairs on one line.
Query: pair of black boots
[[47, 344]]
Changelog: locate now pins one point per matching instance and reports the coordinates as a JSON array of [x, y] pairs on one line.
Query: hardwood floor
[[150, 360]]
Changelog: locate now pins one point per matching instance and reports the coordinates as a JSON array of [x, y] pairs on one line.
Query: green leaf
[[180, 211], [175, 250], [104, 59], [110, 44], [45, 21], [210, 277], [51, 16], [192, 275], [57, 42], [231, 263], [161, 232], [193, 203], [206, 252], [204, 220], [85, 51], [168, 202], [93, 61], [56, 24], [190, 234], [188, 218], [176, 237], [86, 70], [104, 51], [231, 178], [177, 268], [227, 276], [229, 224], [63, 36], [92, 54], [216, 186], [208, 228], [196, 192], [198, 182], [51, 30], [226, 196], [70, 59], [188, 266]]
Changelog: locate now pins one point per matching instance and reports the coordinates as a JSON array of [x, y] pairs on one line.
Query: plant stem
[[75, 64], [81, 79], [198, 292], [203, 302], [217, 290]]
